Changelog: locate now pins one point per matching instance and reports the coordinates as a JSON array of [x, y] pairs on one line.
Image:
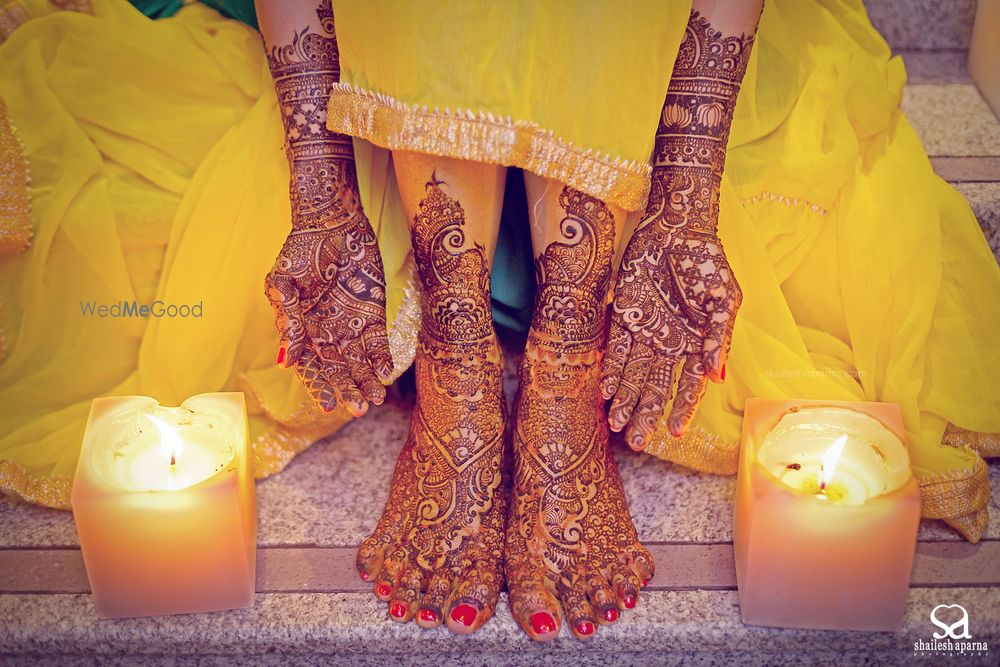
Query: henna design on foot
[[676, 297], [327, 285], [570, 542], [437, 550]]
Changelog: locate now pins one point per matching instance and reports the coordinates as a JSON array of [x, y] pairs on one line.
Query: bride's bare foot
[[570, 540], [436, 553]]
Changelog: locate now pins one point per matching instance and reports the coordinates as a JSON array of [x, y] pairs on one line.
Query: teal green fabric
[[513, 278], [241, 10]]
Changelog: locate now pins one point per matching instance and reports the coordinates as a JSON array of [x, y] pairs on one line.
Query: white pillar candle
[[163, 500]]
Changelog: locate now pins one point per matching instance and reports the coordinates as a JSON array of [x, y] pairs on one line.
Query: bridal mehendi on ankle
[[437, 550]]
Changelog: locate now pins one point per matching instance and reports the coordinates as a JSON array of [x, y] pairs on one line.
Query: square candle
[[826, 515], [163, 500]]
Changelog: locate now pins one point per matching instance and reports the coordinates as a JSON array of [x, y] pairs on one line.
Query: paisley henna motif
[[327, 285], [676, 296], [570, 532], [440, 539]]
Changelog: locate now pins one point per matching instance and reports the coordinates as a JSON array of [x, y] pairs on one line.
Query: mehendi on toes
[[438, 546], [570, 533]]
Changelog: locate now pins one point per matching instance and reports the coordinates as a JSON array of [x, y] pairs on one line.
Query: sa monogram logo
[[957, 630]]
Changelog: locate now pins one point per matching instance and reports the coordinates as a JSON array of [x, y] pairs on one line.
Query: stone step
[[923, 25]]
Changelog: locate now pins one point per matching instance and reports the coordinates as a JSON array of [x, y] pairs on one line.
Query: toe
[[434, 601], [388, 576], [533, 606], [579, 613], [474, 597], [641, 562], [626, 584], [403, 603], [602, 598], [370, 555]]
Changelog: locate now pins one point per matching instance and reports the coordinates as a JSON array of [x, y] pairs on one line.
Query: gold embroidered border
[[15, 193], [483, 137], [697, 449], [767, 196], [984, 444], [12, 15]]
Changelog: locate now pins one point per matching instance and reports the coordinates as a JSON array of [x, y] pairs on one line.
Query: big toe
[[474, 598], [534, 608]]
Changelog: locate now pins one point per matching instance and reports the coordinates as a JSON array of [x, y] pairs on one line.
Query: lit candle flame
[[171, 444], [830, 459]]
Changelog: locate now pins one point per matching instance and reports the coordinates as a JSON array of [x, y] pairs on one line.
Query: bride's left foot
[[571, 546]]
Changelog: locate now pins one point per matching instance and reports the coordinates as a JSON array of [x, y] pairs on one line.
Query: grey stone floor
[[330, 497]]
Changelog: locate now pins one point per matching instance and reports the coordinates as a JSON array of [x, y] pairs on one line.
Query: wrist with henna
[[676, 296], [327, 285]]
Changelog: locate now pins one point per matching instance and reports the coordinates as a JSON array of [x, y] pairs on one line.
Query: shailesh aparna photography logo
[[952, 638], [133, 308]]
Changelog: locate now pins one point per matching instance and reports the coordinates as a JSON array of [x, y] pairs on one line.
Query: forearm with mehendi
[[690, 149], [304, 64]]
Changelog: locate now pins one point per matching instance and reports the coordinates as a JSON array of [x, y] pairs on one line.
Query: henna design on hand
[[570, 531], [327, 286], [676, 296], [439, 542]]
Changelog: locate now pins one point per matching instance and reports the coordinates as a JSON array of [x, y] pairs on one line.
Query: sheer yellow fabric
[[157, 172], [864, 275]]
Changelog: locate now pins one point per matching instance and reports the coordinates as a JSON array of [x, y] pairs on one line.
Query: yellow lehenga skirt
[[142, 160]]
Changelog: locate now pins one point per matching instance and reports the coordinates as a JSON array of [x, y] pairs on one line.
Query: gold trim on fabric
[[47, 491], [12, 16], [15, 192], [960, 497], [484, 137], [984, 444], [81, 6], [15, 199], [767, 196], [697, 449]]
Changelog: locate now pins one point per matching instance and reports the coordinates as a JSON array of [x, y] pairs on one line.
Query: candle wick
[[173, 460]]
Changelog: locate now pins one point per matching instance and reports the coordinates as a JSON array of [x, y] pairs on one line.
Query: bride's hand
[[675, 301], [327, 288]]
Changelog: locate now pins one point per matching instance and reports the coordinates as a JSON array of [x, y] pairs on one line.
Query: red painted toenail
[[611, 615], [464, 614], [542, 622], [645, 581], [398, 609], [629, 601], [383, 590], [585, 628], [364, 576], [428, 615]]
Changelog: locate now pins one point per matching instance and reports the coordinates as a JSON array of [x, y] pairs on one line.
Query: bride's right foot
[[436, 554]]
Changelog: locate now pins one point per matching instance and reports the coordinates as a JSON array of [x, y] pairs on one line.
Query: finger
[[310, 371], [690, 389], [615, 356], [721, 309], [376, 344], [655, 397], [337, 372], [283, 294], [362, 374], [633, 379]]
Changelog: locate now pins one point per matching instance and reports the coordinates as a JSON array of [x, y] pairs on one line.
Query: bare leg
[[436, 553], [570, 540]]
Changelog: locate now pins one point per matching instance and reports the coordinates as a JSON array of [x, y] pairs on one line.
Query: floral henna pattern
[[438, 546], [570, 539], [676, 297], [327, 285]]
